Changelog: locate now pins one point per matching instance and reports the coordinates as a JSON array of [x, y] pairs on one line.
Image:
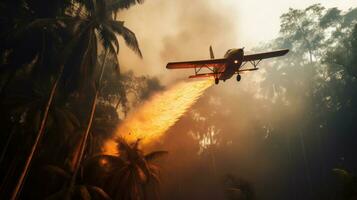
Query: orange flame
[[158, 114]]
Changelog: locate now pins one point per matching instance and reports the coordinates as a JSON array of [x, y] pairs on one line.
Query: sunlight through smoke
[[158, 114]]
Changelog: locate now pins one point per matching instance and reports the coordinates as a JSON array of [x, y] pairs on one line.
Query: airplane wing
[[196, 64], [261, 56]]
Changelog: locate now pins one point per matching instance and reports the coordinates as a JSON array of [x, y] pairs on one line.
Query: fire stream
[[158, 114]]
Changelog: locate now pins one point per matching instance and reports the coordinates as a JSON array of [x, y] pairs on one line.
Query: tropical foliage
[[56, 56]]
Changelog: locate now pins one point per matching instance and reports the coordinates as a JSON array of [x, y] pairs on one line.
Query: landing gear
[[238, 77], [216, 81]]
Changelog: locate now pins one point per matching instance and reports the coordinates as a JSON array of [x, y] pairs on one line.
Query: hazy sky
[[259, 20], [176, 30]]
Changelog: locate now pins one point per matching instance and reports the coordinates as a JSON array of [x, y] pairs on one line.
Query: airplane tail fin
[[211, 52]]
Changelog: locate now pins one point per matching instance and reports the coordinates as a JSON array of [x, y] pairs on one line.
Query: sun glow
[[153, 118]]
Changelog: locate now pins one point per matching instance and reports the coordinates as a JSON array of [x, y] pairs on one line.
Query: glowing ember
[[103, 162], [158, 114]]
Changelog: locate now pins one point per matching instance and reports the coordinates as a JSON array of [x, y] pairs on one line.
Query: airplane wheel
[[238, 77], [216, 81]]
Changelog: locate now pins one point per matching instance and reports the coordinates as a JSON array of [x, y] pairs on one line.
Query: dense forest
[[288, 134], [62, 94]]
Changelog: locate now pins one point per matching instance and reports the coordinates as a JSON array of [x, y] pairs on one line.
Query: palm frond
[[117, 64], [67, 120], [94, 54], [116, 161], [156, 179], [89, 6], [141, 175], [128, 35], [154, 155], [117, 5], [122, 143], [99, 191], [68, 48], [136, 144], [83, 192], [57, 171], [72, 117], [106, 38]]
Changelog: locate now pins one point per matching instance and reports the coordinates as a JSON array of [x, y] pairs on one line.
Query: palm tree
[[61, 60], [103, 27], [80, 27], [81, 190], [132, 173], [67, 51], [98, 17]]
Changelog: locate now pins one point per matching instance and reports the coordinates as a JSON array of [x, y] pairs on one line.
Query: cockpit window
[[228, 52]]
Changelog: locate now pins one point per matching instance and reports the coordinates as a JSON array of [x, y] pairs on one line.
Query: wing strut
[[198, 69], [255, 62]]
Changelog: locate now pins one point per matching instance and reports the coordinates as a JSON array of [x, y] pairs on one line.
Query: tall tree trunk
[[40, 133], [306, 164], [211, 152], [68, 48], [83, 144]]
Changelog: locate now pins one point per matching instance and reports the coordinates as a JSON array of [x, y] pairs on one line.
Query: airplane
[[222, 69]]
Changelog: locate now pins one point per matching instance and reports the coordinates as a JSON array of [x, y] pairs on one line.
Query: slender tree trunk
[[306, 164], [40, 133], [41, 130], [87, 131], [75, 155], [213, 161], [291, 163], [211, 152]]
